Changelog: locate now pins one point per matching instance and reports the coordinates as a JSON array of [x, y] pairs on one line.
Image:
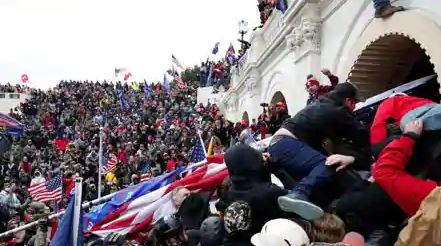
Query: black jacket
[[251, 182], [328, 119]]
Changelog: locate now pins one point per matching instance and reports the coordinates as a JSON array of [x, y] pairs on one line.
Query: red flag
[[127, 76], [24, 78]]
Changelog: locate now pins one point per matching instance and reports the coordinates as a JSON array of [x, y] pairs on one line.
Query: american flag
[[199, 153], [138, 215], [47, 191], [110, 165], [180, 82]]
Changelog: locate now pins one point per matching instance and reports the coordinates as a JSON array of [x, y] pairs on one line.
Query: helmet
[[212, 230], [281, 232], [168, 225]]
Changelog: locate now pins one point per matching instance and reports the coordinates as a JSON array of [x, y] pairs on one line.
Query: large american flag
[[109, 165], [47, 191], [137, 215]]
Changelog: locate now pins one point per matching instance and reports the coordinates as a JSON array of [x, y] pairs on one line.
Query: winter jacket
[[327, 119], [394, 108], [389, 172], [251, 182]]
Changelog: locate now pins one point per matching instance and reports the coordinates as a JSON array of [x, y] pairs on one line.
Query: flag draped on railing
[[136, 213]]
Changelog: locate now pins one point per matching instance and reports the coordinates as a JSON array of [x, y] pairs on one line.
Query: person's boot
[[388, 11], [298, 203]]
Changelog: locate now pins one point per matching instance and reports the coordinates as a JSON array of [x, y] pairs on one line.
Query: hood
[[246, 163]]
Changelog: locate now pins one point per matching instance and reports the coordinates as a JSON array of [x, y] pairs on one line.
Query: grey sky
[[86, 39]]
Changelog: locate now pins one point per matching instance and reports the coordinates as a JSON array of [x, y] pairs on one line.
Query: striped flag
[[145, 177], [47, 191], [180, 82], [109, 165], [137, 215]]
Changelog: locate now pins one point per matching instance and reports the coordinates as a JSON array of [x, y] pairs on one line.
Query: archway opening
[[390, 61], [245, 116], [278, 97]]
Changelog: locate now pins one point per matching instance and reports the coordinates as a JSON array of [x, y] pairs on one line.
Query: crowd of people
[[339, 182], [324, 179], [215, 74], [8, 88], [149, 133]]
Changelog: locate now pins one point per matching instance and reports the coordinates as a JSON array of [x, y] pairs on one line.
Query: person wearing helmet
[[212, 231], [168, 231], [281, 232]]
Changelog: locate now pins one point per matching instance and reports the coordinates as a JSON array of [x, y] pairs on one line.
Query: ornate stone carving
[[251, 82], [306, 35], [311, 30]]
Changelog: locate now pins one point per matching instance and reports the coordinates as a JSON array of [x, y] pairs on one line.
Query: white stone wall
[[7, 102], [315, 34]]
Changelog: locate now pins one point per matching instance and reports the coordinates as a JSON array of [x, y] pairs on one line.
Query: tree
[[191, 75]]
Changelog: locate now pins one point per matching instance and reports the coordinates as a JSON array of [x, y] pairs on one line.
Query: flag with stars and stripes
[[198, 153], [109, 165], [47, 191]]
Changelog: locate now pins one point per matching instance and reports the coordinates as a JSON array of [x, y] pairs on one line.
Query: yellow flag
[[135, 86], [210, 148]]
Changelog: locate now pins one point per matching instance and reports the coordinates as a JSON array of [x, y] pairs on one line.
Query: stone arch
[[245, 116], [272, 87], [389, 61], [409, 28], [278, 97]]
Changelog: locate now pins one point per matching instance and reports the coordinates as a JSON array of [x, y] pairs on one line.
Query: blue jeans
[[302, 163], [378, 4]]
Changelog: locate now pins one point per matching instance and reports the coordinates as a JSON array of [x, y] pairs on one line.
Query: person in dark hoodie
[[251, 184], [301, 145]]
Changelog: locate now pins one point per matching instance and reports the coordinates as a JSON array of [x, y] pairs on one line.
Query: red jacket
[[389, 172], [122, 156], [395, 107], [61, 144]]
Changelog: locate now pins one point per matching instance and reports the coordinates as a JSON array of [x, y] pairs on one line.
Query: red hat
[[312, 82]]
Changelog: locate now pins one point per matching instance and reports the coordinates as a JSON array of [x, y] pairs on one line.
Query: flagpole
[[202, 143], [77, 209], [100, 162]]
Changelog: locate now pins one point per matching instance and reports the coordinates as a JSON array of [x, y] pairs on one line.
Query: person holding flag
[[230, 56]]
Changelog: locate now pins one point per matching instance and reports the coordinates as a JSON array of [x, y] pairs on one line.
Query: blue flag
[[215, 48], [282, 6], [166, 83], [65, 232], [147, 90]]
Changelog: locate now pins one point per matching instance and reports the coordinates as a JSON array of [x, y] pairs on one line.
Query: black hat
[[345, 90]]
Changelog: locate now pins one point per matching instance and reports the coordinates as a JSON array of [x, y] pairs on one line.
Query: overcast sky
[[52, 40]]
